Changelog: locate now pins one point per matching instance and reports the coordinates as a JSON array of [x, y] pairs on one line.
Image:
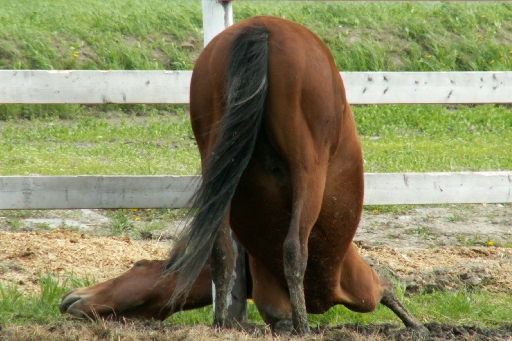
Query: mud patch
[[148, 330], [437, 332]]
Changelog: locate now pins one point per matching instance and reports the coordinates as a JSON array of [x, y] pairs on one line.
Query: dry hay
[[60, 252], [26, 254]]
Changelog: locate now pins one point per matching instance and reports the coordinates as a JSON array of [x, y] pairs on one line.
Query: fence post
[[217, 15]]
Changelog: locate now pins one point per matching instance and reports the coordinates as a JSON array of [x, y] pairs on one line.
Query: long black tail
[[245, 103]]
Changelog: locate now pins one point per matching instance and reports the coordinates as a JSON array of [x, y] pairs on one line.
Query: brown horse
[[282, 168], [141, 292]]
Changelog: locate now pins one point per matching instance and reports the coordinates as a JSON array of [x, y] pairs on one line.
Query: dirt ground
[[425, 248]]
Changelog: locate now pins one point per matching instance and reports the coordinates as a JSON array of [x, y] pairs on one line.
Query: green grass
[[160, 144], [138, 34], [134, 34], [396, 138], [417, 138], [44, 308], [403, 36], [140, 223], [479, 308]]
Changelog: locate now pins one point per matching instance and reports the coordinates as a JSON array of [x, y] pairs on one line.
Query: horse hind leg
[[295, 260], [306, 205]]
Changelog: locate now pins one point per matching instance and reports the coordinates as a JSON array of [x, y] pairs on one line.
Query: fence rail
[[152, 87], [73, 192]]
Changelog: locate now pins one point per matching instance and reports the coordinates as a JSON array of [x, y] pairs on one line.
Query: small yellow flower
[[492, 61], [484, 16], [429, 56], [135, 209], [137, 219], [375, 211], [490, 243], [510, 52], [76, 54]]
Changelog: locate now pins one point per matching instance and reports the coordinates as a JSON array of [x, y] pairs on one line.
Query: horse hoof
[[283, 327], [421, 332], [302, 330], [224, 324]]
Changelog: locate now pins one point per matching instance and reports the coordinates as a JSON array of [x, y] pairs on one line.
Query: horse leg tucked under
[[362, 289]]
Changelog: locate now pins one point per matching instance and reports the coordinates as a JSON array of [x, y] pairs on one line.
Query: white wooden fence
[[91, 87], [172, 87]]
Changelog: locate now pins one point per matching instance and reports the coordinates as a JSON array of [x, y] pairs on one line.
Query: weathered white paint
[[68, 192], [94, 87], [73, 192], [217, 15], [428, 87], [155, 87], [438, 188]]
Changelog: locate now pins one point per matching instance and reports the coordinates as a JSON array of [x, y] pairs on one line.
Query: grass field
[[395, 138], [143, 139], [138, 34]]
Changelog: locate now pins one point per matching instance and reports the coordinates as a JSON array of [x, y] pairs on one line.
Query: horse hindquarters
[[228, 92], [303, 116]]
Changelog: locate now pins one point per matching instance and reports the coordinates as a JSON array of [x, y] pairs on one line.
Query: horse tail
[[246, 92]]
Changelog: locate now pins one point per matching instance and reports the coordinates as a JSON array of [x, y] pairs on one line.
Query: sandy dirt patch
[[428, 248]]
